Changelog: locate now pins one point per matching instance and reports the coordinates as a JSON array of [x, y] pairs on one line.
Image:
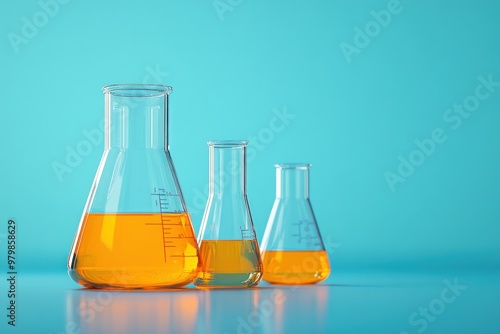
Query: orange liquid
[[295, 267], [229, 263], [134, 250]]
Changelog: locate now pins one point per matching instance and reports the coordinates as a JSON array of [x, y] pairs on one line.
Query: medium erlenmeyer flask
[[135, 231], [229, 252], [292, 248]]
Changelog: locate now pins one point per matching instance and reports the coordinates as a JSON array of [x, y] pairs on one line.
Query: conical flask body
[[229, 251], [135, 231], [292, 247]]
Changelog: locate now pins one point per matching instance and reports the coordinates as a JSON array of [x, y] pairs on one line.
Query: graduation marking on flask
[[305, 226], [173, 229]]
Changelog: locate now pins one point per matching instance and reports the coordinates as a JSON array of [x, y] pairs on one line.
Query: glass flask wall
[[229, 251], [292, 247], [135, 231]]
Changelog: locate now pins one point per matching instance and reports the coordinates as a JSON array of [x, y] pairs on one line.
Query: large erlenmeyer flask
[[135, 231], [229, 252], [292, 248]]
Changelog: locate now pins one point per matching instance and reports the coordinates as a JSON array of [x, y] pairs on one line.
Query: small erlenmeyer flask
[[135, 231], [292, 248], [229, 252]]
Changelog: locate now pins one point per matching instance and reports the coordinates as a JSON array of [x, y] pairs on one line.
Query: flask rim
[[137, 90], [227, 143], [293, 165]]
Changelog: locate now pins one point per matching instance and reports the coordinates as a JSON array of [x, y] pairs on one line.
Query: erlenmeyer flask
[[229, 252], [135, 231], [292, 248]]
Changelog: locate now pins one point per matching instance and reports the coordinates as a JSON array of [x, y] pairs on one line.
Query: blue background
[[233, 68]]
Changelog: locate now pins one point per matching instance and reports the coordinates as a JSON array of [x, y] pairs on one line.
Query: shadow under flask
[[135, 232], [292, 248], [229, 251]]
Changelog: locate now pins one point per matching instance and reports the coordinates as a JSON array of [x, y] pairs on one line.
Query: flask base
[[130, 279], [227, 280], [229, 264], [292, 278], [295, 267]]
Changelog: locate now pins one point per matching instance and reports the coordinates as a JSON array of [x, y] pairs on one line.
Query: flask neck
[[292, 181], [136, 117], [227, 168]]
